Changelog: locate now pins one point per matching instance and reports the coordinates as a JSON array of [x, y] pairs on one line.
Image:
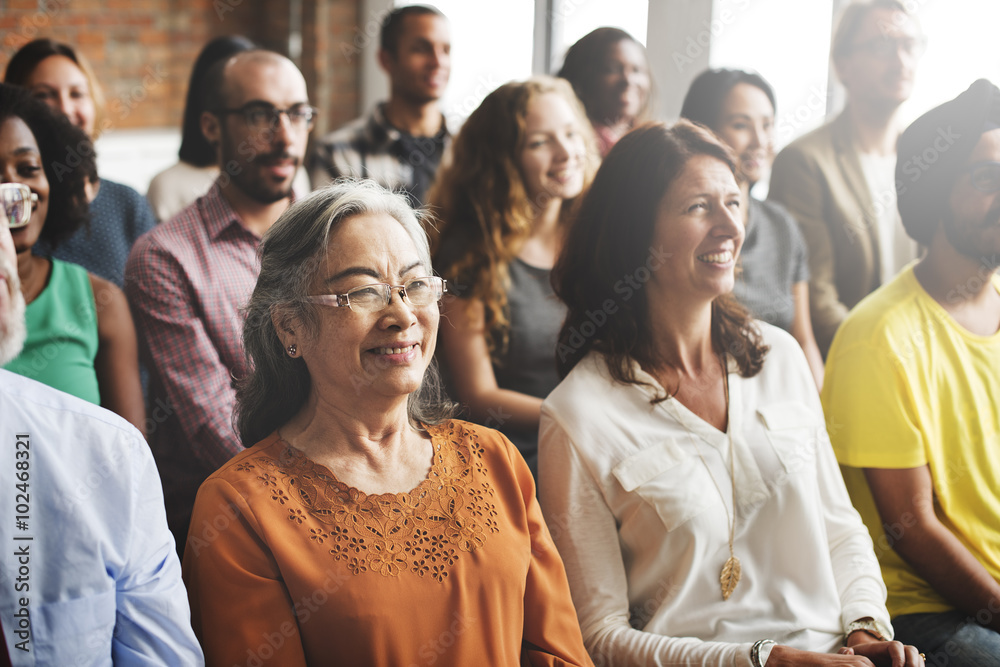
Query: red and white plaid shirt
[[186, 280]]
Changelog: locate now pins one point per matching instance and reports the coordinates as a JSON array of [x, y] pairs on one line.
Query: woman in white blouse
[[686, 472]]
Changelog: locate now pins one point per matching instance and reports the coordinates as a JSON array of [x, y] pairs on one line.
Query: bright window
[[491, 44], [579, 17], [788, 43], [961, 47]]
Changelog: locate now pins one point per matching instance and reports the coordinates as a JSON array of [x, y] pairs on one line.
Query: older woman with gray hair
[[363, 526]]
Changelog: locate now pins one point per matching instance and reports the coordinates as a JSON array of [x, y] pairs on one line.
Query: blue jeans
[[950, 638]]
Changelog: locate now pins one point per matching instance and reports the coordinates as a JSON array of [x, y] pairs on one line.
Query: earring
[[292, 349]]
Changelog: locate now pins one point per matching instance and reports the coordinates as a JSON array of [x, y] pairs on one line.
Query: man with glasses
[[187, 279], [912, 390], [838, 180], [88, 573], [399, 144]]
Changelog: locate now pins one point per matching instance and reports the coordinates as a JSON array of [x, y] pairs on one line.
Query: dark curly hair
[[67, 156], [612, 235]]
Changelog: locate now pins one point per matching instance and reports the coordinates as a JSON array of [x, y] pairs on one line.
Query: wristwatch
[[870, 626]]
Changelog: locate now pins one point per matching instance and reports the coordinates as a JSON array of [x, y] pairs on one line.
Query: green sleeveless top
[[62, 335]]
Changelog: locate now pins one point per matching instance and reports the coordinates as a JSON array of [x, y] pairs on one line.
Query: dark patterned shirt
[[118, 216], [185, 282], [369, 147]]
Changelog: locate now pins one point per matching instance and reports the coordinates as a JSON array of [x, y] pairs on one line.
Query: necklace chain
[[732, 570]]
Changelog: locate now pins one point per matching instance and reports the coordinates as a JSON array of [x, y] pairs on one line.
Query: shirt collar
[[382, 134], [220, 216]]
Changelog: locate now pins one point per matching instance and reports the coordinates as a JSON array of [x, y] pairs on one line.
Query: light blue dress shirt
[[88, 570]]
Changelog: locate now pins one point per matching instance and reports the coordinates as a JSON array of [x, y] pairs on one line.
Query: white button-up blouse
[[639, 496]]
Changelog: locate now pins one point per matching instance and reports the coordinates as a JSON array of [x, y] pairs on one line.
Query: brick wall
[[142, 50]]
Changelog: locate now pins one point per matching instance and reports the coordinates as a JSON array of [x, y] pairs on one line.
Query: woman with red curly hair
[[519, 162]]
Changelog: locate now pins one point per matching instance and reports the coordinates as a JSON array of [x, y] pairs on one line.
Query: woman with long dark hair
[[685, 469]]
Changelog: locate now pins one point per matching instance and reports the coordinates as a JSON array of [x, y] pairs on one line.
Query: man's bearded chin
[[13, 330]]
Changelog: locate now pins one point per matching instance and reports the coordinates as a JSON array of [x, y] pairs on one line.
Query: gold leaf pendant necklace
[[732, 570]]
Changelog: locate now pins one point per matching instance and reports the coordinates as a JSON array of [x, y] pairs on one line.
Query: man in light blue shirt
[[88, 570]]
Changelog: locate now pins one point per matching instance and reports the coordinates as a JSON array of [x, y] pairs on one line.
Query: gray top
[[774, 257], [529, 364]]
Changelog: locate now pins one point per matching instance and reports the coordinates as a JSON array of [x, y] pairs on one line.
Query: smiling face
[[21, 162], [880, 67], [623, 84], [419, 69], [554, 151], [60, 83], [380, 355], [746, 123], [262, 162], [972, 226], [698, 230]]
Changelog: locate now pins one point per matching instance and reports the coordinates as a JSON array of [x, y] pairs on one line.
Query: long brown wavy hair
[[481, 201], [611, 237]]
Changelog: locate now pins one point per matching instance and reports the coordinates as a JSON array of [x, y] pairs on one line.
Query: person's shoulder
[[783, 350], [589, 389], [775, 212], [120, 191], [184, 229], [248, 463], [894, 322], [73, 423], [889, 313], [817, 139], [347, 133], [481, 442], [115, 198]]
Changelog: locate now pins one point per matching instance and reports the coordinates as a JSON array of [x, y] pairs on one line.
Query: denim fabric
[[951, 639]]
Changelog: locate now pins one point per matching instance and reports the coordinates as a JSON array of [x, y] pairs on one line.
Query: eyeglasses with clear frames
[[373, 298], [266, 117], [17, 200]]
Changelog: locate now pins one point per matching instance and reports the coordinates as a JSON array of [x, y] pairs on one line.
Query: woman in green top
[[81, 339]]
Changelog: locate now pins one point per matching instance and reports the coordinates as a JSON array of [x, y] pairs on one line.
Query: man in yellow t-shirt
[[912, 391]]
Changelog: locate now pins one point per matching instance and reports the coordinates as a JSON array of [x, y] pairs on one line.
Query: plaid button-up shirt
[[370, 147], [185, 281]]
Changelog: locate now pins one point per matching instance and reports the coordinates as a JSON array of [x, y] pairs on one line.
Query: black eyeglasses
[[985, 176], [266, 117], [17, 200], [376, 297]]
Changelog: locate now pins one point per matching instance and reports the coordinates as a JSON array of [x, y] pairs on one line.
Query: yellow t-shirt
[[907, 386]]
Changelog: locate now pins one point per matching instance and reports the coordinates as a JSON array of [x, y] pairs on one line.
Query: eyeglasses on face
[[261, 116], [17, 200], [887, 47], [373, 298], [985, 176]]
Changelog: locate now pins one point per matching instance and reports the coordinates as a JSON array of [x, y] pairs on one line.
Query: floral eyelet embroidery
[[423, 532]]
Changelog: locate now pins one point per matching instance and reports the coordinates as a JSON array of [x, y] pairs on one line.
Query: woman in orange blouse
[[365, 527]]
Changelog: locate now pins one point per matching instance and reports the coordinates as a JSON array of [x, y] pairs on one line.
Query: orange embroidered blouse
[[285, 565]]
